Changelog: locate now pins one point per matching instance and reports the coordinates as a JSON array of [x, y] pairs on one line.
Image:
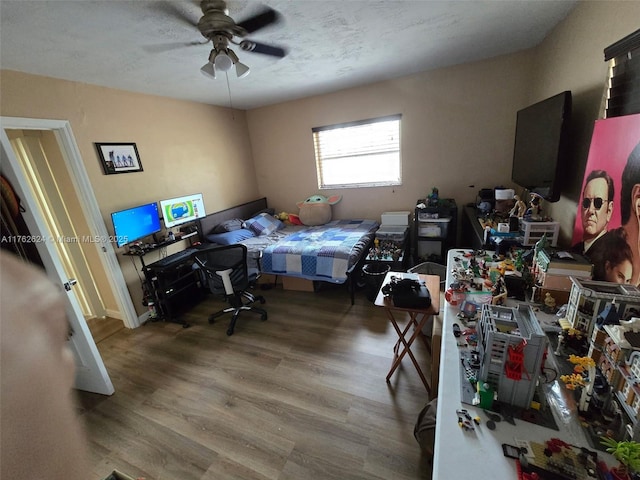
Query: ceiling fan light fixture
[[242, 70], [208, 70], [223, 62]]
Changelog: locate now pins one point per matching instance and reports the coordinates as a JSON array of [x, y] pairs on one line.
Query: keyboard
[[173, 259]]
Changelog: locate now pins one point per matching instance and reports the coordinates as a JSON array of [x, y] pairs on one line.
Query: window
[[623, 96], [358, 154]]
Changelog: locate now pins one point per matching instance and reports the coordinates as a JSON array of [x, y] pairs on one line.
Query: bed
[[332, 253]]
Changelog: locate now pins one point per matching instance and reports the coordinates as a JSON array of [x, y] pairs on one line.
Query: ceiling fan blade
[[174, 11], [250, 46], [260, 20], [166, 47]]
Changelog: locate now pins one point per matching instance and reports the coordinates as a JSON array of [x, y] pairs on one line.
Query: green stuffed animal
[[316, 210]]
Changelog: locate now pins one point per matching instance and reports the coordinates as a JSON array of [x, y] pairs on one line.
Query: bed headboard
[[244, 211]]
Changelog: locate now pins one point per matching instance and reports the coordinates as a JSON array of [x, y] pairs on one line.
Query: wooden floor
[[300, 396], [102, 328]]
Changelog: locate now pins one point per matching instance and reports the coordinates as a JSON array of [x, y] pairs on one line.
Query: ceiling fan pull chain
[[226, 74]]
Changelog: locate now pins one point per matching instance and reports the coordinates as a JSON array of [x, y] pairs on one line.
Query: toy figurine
[[534, 212], [432, 198], [559, 350], [519, 208], [549, 303]]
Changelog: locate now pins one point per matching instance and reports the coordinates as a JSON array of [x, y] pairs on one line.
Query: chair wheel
[[229, 332], [263, 317], [212, 318], [262, 300]]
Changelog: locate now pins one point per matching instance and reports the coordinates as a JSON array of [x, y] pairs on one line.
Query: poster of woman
[[609, 202]]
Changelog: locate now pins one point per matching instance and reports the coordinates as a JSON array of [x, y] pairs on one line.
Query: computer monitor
[[135, 223], [179, 210]]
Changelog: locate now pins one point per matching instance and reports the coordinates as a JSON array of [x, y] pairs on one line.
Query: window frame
[[316, 134]]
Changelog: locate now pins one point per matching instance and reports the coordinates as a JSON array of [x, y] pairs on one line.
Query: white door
[[91, 373]]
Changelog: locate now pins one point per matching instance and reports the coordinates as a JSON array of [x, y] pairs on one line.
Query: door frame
[[90, 372], [89, 204]]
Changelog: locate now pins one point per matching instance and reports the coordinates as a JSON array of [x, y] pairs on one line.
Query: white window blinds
[[623, 96], [358, 154]]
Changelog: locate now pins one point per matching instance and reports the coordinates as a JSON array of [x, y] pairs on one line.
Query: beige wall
[[458, 127], [572, 58], [184, 147], [458, 123], [457, 135]]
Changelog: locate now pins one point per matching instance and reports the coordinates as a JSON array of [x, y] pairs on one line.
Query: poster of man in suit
[[608, 215]]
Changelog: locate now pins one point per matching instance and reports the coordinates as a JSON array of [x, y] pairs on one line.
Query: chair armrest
[[226, 280]]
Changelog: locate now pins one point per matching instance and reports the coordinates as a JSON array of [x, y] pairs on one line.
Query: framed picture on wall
[[607, 222], [119, 157]]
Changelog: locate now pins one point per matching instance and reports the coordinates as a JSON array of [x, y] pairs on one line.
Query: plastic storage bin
[[434, 227], [395, 218], [533, 231], [425, 216], [394, 233]]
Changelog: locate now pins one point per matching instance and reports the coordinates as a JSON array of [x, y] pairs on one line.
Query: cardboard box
[[267, 278], [395, 218], [297, 284]]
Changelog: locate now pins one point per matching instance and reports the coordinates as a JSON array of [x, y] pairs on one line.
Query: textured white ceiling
[[142, 46]]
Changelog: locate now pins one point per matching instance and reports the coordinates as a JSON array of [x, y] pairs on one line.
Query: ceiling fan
[[219, 28]]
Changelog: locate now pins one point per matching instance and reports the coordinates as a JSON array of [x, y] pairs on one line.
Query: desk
[[418, 318], [460, 454], [472, 232], [171, 284]]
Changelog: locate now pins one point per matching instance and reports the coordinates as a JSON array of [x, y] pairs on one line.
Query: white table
[[460, 454]]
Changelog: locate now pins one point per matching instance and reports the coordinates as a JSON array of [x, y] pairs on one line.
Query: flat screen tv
[[179, 210], [541, 146], [135, 223]]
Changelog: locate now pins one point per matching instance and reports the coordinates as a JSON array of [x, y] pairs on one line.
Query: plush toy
[[289, 218], [316, 210]]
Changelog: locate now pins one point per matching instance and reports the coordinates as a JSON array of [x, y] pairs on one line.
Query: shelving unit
[[391, 247], [171, 282], [174, 287], [434, 231]]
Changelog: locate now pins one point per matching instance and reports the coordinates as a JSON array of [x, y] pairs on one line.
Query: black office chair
[[226, 272]]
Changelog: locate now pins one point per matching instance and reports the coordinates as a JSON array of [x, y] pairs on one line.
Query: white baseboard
[[139, 321], [143, 318], [114, 314]]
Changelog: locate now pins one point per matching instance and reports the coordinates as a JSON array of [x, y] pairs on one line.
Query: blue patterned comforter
[[325, 252]]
